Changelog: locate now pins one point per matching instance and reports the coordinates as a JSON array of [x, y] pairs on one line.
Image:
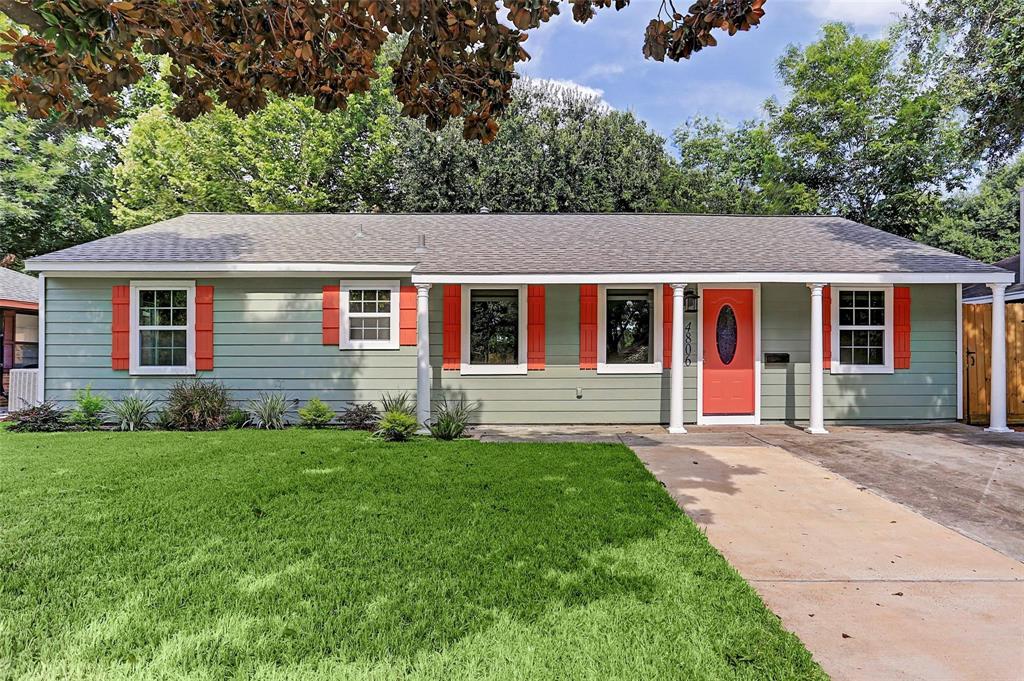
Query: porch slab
[[872, 587]]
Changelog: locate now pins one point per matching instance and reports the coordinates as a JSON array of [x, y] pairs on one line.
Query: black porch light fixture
[[690, 300]]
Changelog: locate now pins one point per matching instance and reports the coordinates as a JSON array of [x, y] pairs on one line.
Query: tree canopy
[[458, 59]]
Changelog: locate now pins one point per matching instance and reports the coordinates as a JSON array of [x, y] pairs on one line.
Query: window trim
[[493, 369], [888, 348], [134, 355], [344, 322], [657, 351]]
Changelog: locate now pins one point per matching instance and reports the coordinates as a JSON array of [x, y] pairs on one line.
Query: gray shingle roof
[[529, 243], [18, 286], [1011, 264]]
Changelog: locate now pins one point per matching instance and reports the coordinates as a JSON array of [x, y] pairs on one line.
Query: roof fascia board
[[722, 278], [1015, 295], [12, 304], [243, 269]]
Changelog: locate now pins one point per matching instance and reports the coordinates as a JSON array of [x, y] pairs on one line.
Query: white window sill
[[603, 368], [162, 371], [364, 345], [494, 370], [860, 369]]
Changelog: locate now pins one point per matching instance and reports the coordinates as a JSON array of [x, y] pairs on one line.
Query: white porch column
[[817, 411], [422, 353], [997, 419], [675, 419]]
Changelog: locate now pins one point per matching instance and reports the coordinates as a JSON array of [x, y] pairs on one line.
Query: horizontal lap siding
[[267, 337], [926, 391], [549, 396]]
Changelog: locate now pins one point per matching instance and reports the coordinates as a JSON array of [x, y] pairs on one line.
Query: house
[[977, 344], [571, 318], [19, 329]]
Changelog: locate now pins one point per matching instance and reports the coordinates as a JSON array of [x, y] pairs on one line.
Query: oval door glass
[[725, 334]]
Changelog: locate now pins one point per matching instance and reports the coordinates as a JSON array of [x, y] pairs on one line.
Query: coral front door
[[728, 351]]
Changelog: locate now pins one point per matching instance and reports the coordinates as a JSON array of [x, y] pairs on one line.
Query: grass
[[313, 554]]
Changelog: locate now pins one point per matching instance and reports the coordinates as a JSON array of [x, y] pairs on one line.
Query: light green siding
[[925, 391], [267, 337]]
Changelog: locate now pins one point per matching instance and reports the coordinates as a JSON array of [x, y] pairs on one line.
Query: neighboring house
[[978, 343], [19, 328], [571, 318]]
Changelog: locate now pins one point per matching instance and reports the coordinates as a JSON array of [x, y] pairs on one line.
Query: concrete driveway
[[874, 589]]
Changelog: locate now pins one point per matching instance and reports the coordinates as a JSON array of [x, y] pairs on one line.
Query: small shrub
[[89, 409], [133, 412], [316, 414], [402, 402], [163, 420], [360, 417], [197, 405], [450, 421], [42, 418], [396, 426], [270, 411], [238, 418]]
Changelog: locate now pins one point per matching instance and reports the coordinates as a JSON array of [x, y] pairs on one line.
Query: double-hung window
[[369, 315], [629, 335], [494, 330], [862, 330], [163, 337]]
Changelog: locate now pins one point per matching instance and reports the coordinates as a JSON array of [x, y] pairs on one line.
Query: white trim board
[[719, 278], [41, 387], [742, 419], [656, 340], [135, 367], [200, 269], [959, 351], [469, 369], [1015, 295]]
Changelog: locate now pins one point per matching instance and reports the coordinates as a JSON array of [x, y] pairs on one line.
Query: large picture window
[[862, 330], [369, 315], [163, 328], [628, 324], [494, 330]]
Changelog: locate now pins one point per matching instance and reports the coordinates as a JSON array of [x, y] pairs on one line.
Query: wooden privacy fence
[[978, 362]]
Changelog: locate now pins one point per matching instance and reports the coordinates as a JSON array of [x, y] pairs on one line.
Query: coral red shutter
[[407, 315], [120, 328], [535, 334], [901, 327], [332, 315], [588, 326], [204, 328], [826, 326], [666, 322], [451, 339]]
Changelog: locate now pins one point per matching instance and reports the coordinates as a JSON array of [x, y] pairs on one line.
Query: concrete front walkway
[[875, 590]]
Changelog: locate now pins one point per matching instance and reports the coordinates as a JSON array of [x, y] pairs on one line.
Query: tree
[[981, 49], [867, 131], [459, 58], [286, 157], [731, 170], [984, 224], [562, 150]]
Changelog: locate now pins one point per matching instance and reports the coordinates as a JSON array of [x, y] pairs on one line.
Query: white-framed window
[[629, 332], [494, 329], [163, 327], [369, 315], [862, 330]]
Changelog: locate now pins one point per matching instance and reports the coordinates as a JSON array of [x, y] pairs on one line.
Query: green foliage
[[869, 134], [983, 224], [270, 411], [396, 426], [360, 417], [402, 402], [560, 150], [42, 418], [164, 420], [197, 405], [316, 414], [238, 418], [89, 409], [133, 412], [450, 420]]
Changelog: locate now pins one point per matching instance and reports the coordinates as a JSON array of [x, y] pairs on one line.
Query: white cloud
[[605, 70], [567, 86], [732, 101], [858, 12]]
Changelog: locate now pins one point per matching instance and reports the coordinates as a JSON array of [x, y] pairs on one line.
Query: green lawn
[[299, 554]]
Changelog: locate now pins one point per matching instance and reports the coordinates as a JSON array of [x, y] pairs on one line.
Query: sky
[[730, 81]]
